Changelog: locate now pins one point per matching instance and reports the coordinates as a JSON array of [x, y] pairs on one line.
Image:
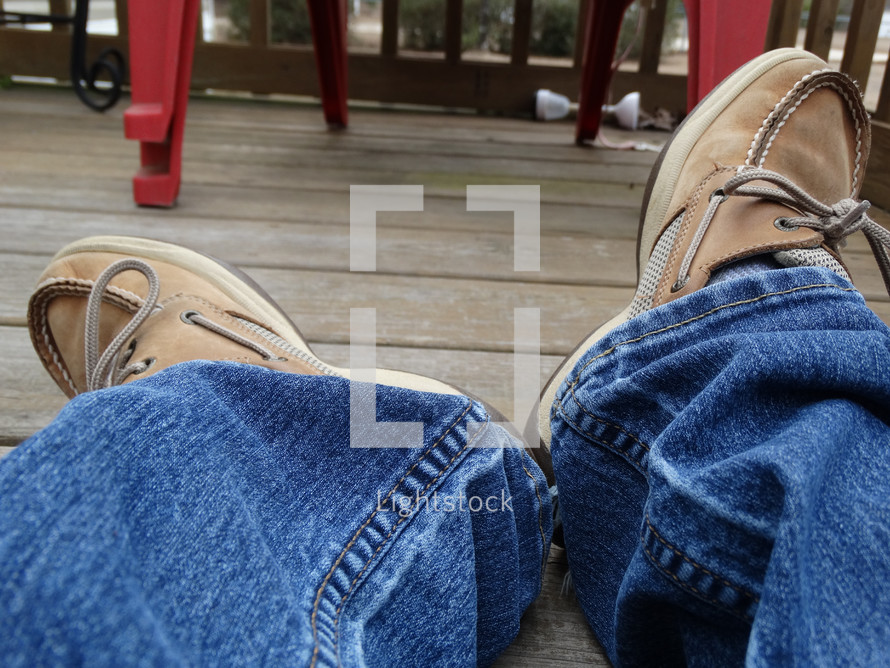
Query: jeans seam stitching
[[605, 422], [540, 514], [742, 591], [390, 534], [695, 318], [352, 541], [577, 379], [590, 435]]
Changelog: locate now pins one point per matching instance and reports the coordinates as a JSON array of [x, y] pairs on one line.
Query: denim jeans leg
[[215, 513], [723, 465]]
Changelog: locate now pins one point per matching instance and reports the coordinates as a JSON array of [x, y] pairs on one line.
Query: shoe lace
[[836, 222], [100, 369]]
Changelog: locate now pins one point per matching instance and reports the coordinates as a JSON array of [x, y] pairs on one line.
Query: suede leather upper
[[57, 311], [799, 120]]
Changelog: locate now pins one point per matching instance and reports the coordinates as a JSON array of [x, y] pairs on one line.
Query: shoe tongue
[[655, 267]]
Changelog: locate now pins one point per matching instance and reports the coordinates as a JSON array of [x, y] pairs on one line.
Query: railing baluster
[[61, 8], [580, 32], [453, 30], [199, 30], [862, 36], [656, 14], [122, 16], [784, 20], [820, 27], [882, 113], [389, 40], [522, 31], [260, 22]]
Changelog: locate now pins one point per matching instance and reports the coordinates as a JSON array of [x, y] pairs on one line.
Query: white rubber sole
[[660, 191]]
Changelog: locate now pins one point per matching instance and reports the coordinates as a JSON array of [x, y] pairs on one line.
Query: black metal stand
[[110, 61]]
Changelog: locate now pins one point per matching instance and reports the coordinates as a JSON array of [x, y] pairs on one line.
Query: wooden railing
[[858, 57], [453, 80], [389, 76]]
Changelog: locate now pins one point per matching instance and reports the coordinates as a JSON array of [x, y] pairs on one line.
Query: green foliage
[[422, 24], [553, 27], [290, 21], [675, 18], [487, 25]]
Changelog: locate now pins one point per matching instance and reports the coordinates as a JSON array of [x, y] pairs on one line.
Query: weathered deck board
[[412, 245], [266, 186]]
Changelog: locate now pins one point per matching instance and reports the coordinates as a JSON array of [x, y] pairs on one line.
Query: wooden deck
[[266, 187]]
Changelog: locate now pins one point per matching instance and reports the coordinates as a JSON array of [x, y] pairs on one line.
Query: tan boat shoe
[[109, 310], [769, 163]]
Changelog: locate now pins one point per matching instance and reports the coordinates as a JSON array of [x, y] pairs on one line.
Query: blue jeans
[[723, 468], [723, 465], [215, 514]]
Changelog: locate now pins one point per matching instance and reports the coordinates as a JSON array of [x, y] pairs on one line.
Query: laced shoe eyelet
[[719, 193], [148, 362], [128, 353], [781, 223], [680, 284], [186, 316]]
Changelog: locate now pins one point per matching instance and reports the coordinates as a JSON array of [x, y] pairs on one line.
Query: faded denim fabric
[[215, 514], [723, 465]]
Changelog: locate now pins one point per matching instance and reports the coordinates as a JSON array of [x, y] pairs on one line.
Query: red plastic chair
[[723, 35], [162, 42], [600, 39], [727, 34]]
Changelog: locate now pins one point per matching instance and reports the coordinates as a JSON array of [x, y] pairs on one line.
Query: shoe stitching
[[72, 287], [771, 117], [769, 121], [682, 235], [826, 84], [389, 535], [67, 285], [49, 342], [228, 319], [754, 598], [352, 541]]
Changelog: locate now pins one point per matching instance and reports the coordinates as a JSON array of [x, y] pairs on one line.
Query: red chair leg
[[162, 42], [724, 36], [600, 39], [328, 19]]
